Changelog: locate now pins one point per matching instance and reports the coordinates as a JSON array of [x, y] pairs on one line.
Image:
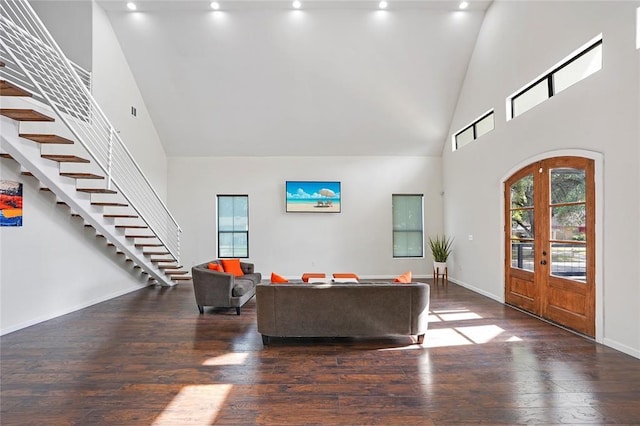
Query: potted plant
[[441, 248]]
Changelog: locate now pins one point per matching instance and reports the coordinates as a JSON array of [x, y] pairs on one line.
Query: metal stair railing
[[42, 65]]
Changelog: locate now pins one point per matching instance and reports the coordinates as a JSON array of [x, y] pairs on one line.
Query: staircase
[[56, 131]]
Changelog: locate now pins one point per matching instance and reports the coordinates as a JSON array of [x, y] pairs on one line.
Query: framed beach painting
[[313, 197]]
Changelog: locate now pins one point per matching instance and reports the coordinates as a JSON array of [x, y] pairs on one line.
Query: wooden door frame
[[598, 160]]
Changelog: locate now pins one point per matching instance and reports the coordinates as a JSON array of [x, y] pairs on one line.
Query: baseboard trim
[[621, 347], [606, 342], [69, 310], [478, 290]]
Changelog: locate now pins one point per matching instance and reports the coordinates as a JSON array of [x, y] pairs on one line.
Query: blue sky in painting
[[297, 190]]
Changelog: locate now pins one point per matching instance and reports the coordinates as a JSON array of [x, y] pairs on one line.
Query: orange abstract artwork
[[10, 203]]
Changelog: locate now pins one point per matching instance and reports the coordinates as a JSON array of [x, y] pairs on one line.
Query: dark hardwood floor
[[149, 358]]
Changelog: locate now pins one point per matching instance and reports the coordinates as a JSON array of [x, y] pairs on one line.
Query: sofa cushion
[[242, 287], [255, 278], [232, 266]]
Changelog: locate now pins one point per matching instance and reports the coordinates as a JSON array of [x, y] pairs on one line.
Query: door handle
[[543, 262]]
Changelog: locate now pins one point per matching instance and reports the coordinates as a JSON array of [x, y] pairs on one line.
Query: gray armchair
[[222, 290]]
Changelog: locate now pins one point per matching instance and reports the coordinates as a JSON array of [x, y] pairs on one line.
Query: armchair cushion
[[242, 287]]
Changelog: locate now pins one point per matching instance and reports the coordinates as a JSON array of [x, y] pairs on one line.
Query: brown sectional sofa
[[342, 310]]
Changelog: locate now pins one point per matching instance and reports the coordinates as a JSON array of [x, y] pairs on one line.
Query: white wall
[[359, 239], [70, 24], [53, 265], [116, 91], [599, 114], [84, 32]]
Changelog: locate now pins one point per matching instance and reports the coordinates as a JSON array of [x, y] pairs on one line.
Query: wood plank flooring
[[149, 358]]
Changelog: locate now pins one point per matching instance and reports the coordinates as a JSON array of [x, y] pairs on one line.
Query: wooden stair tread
[[97, 190], [130, 226], [149, 245], [151, 253], [25, 115], [158, 260], [9, 89], [65, 158], [176, 273], [133, 216], [182, 278], [43, 138], [169, 267], [109, 204], [140, 236], [5, 155], [44, 188], [81, 175], [26, 173]]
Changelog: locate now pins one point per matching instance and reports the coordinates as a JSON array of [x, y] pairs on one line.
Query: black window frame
[[421, 230], [551, 90], [473, 126], [219, 232]]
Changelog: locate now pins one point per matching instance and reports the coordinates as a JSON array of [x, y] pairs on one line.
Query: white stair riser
[[28, 154]]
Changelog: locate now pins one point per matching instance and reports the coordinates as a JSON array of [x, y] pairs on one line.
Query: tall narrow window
[[408, 239], [233, 226]]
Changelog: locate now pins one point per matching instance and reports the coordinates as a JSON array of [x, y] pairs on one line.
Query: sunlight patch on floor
[[233, 358], [195, 404], [411, 347], [442, 337], [480, 333], [453, 315], [460, 316]]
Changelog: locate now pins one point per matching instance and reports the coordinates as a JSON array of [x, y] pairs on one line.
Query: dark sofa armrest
[[247, 268], [211, 287]]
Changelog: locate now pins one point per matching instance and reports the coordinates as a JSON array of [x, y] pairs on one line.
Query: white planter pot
[[439, 267]]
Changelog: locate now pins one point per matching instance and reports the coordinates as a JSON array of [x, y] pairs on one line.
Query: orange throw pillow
[[275, 278], [232, 266], [404, 278], [307, 275], [346, 275], [215, 267]]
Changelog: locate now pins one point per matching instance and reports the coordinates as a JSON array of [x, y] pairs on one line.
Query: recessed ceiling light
[[383, 4], [464, 5], [131, 6], [296, 4], [215, 5]]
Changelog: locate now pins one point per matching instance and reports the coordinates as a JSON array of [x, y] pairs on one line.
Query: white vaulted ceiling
[[334, 78]]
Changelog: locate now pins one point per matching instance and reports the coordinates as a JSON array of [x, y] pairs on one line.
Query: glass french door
[[550, 241]]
